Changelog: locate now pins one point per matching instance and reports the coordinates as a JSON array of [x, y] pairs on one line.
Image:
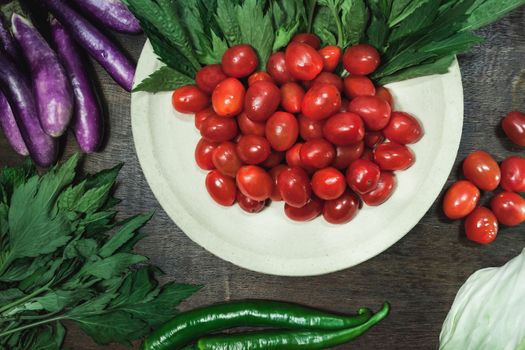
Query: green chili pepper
[[189, 326], [289, 340]]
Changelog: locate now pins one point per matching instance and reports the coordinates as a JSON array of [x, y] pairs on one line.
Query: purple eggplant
[[103, 50], [9, 127], [112, 14], [42, 147], [7, 42], [51, 85], [87, 118]]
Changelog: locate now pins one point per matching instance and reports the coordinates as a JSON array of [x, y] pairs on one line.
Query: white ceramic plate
[[268, 242]]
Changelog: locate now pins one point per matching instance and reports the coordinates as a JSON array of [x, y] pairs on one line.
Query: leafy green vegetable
[[164, 79]]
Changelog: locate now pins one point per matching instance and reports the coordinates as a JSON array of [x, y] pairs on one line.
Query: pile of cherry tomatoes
[[298, 132]]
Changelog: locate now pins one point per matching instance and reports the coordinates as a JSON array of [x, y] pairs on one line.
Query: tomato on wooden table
[[204, 154], [308, 212], [249, 205], [481, 226], [513, 174], [514, 127], [321, 101], [358, 85], [259, 76], [282, 130], [310, 129], [331, 55], [328, 183], [361, 59], [277, 69], [383, 191], [239, 61], [219, 129], [226, 160], [403, 128], [189, 99], [393, 156], [374, 111], [221, 188], [208, 77], [344, 129], [292, 95], [253, 149], [303, 61], [308, 39], [294, 186], [249, 127], [342, 209], [509, 208], [482, 170], [228, 98], [460, 199], [345, 155], [254, 182], [317, 153], [363, 176], [261, 101]]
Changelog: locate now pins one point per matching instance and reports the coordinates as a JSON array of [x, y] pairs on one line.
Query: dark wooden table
[[419, 275]]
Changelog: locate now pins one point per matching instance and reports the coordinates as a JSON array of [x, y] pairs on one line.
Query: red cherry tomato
[[294, 186], [509, 208], [460, 199], [259, 76], [189, 99], [328, 183], [374, 111], [383, 191], [384, 94], [262, 100], [308, 39], [341, 210], [321, 101], [329, 78], [308, 212], [253, 149], [482, 170], [514, 127], [239, 61], [204, 154], [277, 69], [393, 156], [274, 173], [368, 154], [219, 129], [373, 138], [513, 174], [292, 95], [275, 158], [221, 188], [345, 155], [344, 129], [249, 205], [228, 98], [254, 182], [202, 115], [331, 55], [249, 127], [293, 156], [226, 159], [282, 130], [303, 61], [361, 59], [481, 226], [208, 77], [317, 153], [357, 85], [310, 129], [363, 176], [403, 128]]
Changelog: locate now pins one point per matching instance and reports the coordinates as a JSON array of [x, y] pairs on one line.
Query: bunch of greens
[[64, 256], [415, 37]]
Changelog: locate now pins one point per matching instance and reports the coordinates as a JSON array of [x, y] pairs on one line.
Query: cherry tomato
[[362, 176], [342, 209], [274, 173], [308, 212], [228, 97], [513, 174], [202, 115], [249, 127], [293, 156], [317, 153], [310, 129], [373, 138], [277, 69], [460, 199], [331, 55], [308, 39], [219, 129], [329, 78], [221, 188], [345, 155], [383, 191], [292, 95], [374, 111], [254, 182], [482, 170], [275, 158], [294, 186], [344, 129], [509, 208], [321, 101], [384, 94], [357, 85], [361, 59], [226, 159], [253, 149], [259, 76], [204, 154], [368, 154], [189, 99], [303, 61], [393, 156], [481, 226], [262, 100], [249, 205], [403, 128], [328, 183], [239, 61], [282, 130], [514, 127], [208, 77]]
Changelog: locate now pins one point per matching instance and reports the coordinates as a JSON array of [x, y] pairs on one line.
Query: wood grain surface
[[419, 275]]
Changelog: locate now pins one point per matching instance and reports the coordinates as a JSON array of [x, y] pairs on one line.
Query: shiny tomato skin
[[403, 128], [310, 129], [482, 170], [331, 55], [383, 191], [357, 85], [329, 78], [344, 129], [226, 160], [514, 127], [277, 69], [460, 199], [274, 173], [275, 158], [317, 154], [321, 101], [374, 138], [384, 94], [228, 97], [361, 59], [513, 174], [341, 210], [282, 130], [393, 156], [308, 212], [254, 182], [362, 176], [481, 226], [345, 155], [253, 149], [221, 188], [249, 127], [259, 76], [204, 154], [303, 61], [202, 115], [292, 95], [249, 205], [293, 156], [189, 99], [239, 61], [208, 77], [308, 39], [328, 183], [509, 208], [261, 101], [294, 186], [219, 129], [374, 111]]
